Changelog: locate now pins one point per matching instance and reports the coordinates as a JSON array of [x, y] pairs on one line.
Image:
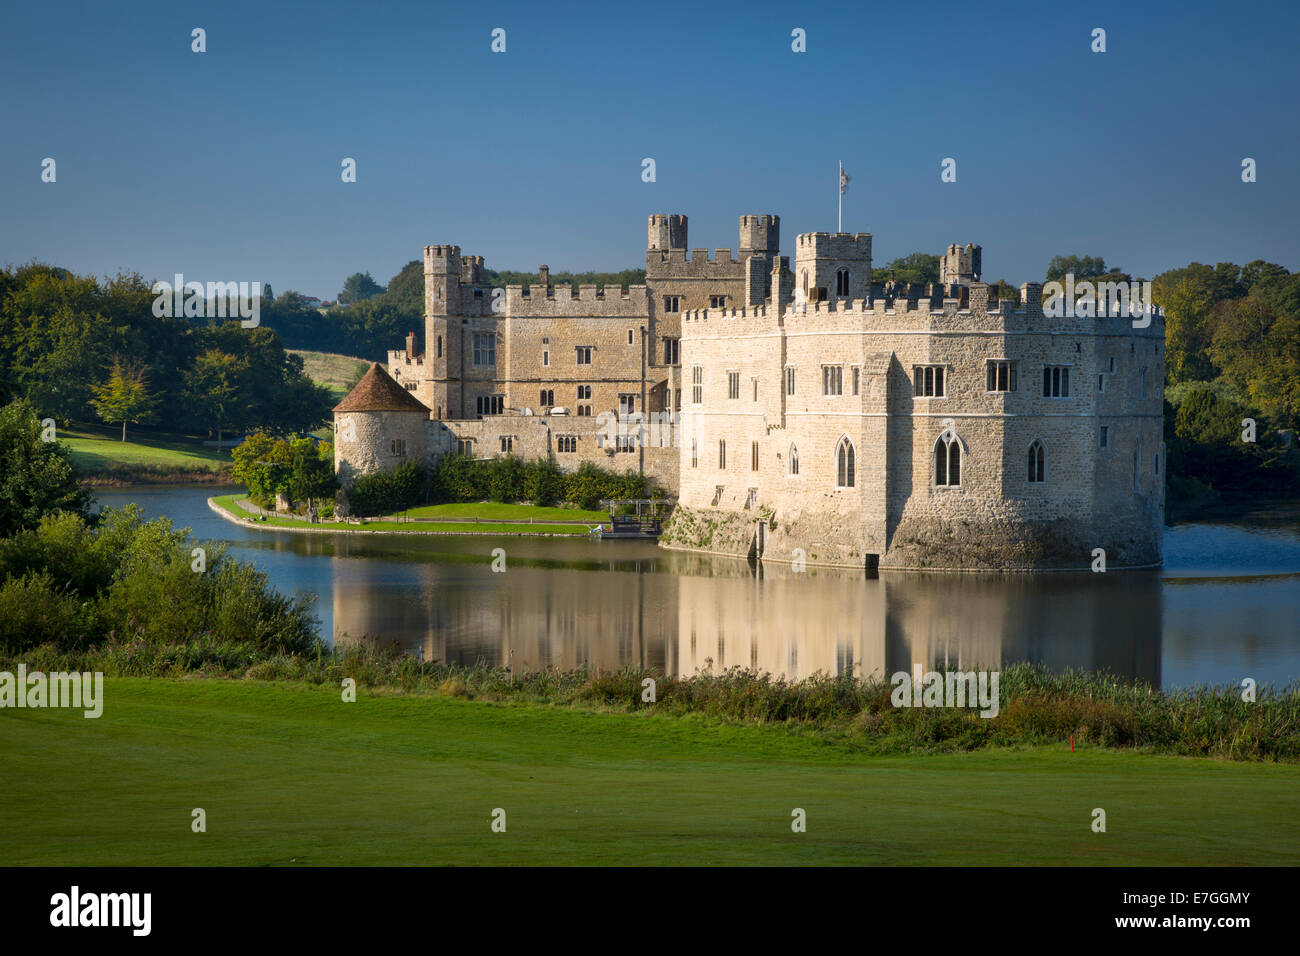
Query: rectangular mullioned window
[[566, 443], [733, 384], [485, 348], [697, 385], [584, 354], [507, 443], [672, 351], [832, 380], [490, 404], [397, 446], [672, 303], [1056, 381], [1001, 376], [789, 379], [464, 446], [927, 381]]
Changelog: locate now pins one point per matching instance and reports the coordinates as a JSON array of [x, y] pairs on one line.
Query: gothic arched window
[[794, 460], [947, 460], [1037, 461], [844, 464]]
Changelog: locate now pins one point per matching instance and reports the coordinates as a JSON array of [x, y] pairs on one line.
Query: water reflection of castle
[[721, 613]]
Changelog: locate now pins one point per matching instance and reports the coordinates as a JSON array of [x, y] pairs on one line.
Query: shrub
[[390, 491], [35, 609]]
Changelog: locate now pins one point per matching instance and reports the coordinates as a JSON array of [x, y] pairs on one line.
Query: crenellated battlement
[[836, 245], [587, 301], [941, 314]]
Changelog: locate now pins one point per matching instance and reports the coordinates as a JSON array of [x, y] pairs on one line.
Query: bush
[[510, 479], [390, 491], [36, 476], [74, 587], [35, 609]]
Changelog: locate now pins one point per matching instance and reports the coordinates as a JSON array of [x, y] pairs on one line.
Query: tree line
[[79, 348]]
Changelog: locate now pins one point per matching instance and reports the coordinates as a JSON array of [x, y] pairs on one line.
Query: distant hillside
[[338, 373]]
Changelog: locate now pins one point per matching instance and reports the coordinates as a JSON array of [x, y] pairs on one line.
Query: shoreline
[[337, 528]]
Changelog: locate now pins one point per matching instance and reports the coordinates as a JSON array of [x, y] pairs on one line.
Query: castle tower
[[759, 235], [376, 425], [667, 232], [961, 265], [833, 266], [443, 272]]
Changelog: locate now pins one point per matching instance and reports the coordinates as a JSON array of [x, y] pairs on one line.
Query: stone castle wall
[[995, 516]]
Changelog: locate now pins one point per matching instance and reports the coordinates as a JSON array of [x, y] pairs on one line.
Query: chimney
[[544, 276], [410, 346]]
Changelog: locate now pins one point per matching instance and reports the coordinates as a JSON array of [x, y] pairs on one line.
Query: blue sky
[[225, 165]]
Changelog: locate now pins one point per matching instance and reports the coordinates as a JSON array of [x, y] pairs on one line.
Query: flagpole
[[839, 182]]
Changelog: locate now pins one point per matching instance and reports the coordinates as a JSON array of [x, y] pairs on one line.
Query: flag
[[844, 181]]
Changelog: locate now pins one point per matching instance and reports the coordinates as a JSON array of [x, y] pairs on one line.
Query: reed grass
[[1036, 706]]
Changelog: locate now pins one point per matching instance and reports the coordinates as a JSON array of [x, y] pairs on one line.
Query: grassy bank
[[1036, 707], [228, 504], [494, 511], [336, 372], [104, 459], [289, 774]]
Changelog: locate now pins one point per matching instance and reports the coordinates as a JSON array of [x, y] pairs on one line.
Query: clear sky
[[226, 165]]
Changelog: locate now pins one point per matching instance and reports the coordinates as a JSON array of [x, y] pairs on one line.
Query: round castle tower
[[377, 426]]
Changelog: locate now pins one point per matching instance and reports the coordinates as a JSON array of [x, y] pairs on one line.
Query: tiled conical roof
[[378, 392]]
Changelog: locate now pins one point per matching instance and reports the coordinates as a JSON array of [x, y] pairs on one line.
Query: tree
[[1186, 297], [37, 476], [358, 287], [406, 289], [311, 470], [262, 465], [919, 268], [213, 387], [124, 397], [1082, 267], [1259, 353]]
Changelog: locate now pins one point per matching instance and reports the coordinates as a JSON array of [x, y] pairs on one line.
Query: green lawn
[[335, 372], [227, 504], [291, 773], [93, 453], [496, 512]]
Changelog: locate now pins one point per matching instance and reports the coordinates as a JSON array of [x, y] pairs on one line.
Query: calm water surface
[[1224, 606]]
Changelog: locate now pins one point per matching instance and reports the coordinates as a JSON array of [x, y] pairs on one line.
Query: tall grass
[[1037, 707]]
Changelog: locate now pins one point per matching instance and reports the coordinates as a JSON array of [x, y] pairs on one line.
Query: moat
[[1222, 608]]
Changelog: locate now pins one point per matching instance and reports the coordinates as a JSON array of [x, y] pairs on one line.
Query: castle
[[800, 414]]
